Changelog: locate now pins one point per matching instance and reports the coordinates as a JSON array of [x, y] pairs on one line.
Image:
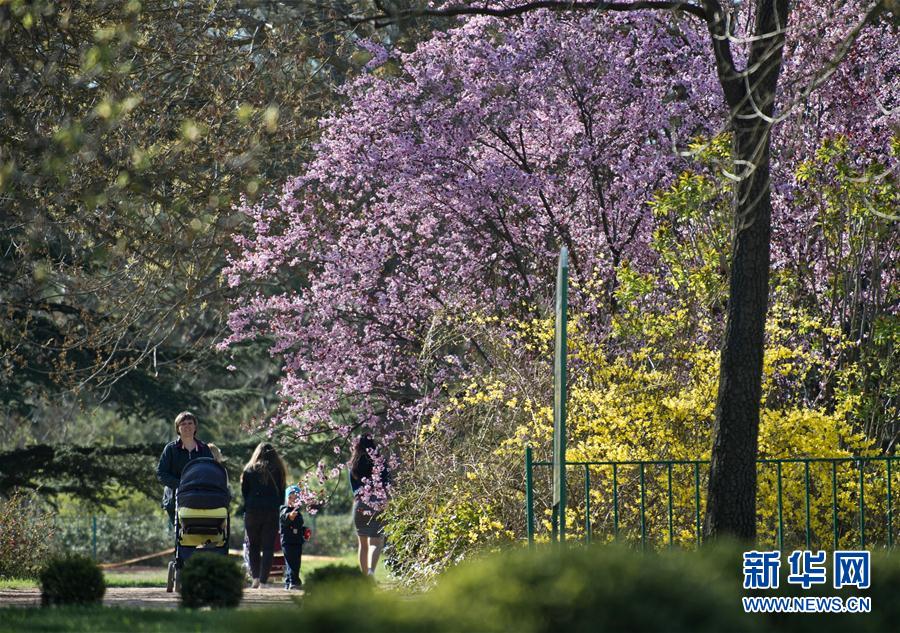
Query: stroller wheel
[[178, 581], [170, 579]]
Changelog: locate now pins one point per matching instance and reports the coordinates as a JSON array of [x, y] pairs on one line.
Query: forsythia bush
[[645, 406], [642, 387]]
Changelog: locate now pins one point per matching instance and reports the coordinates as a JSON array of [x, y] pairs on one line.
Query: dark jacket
[[357, 483], [291, 531], [172, 461], [261, 494]]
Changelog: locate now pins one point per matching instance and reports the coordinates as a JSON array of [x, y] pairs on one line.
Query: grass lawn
[[23, 620], [16, 583], [381, 573]]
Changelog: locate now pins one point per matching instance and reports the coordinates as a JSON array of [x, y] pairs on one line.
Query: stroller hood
[[204, 485]]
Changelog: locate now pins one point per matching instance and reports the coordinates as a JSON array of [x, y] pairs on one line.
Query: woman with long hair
[[368, 477], [262, 485]]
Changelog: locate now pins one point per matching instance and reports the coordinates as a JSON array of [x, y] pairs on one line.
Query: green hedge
[[604, 588], [333, 535], [120, 536]]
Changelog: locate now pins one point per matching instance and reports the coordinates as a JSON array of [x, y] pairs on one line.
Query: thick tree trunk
[[731, 499], [731, 503]]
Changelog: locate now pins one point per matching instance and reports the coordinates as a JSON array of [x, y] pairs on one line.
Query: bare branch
[[386, 18]]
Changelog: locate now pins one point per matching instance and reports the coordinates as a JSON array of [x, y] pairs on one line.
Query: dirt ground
[[149, 597]]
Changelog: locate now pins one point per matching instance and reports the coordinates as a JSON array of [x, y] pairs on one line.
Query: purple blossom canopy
[[449, 188]]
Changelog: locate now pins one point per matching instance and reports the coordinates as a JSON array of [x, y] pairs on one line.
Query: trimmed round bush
[[211, 580], [71, 580], [335, 575]]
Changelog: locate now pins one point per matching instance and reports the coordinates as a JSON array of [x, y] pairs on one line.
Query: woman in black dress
[[368, 502]]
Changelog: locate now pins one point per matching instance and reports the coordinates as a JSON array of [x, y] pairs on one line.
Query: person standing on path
[[262, 485], [369, 497], [292, 537], [175, 457]]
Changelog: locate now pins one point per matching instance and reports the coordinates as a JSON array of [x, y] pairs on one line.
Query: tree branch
[[729, 78], [386, 18]]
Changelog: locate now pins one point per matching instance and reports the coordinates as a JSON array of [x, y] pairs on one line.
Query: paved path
[[149, 597]]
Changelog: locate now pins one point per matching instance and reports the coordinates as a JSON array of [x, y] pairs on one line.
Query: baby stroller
[[202, 519]]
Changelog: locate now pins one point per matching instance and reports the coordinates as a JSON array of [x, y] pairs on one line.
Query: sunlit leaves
[[120, 151]]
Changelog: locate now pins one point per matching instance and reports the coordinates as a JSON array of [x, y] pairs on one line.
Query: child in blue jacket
[[290, 521]]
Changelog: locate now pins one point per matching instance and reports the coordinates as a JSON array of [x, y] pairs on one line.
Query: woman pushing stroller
[[175, 457]]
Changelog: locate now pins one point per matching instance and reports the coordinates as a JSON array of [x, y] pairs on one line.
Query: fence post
[[587, 504], [806, 491], [643, 518], [834, 515], [780, 509], [890, 510], [559, 394], [862, 507], [697, 498], [670, 505], [529, 496], [615, 501], [94, 535]]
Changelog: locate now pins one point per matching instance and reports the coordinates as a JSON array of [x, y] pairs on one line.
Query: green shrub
[[211, 580], [25, 537], [332, 535], [606, 588], [884, 591], [341, 608], [120, 534], [71, 579], [335, 575], [600, 588]]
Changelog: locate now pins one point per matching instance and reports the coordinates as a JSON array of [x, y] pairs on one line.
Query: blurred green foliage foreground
[[604, 588]]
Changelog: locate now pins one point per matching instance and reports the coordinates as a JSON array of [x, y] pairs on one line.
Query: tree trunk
[[731, 503], [731, 500]]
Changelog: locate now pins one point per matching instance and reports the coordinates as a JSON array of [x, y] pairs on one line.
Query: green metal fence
[[828, 503]]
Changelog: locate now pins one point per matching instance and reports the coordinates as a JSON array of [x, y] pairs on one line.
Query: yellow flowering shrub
[[641, 399], [653, 404]]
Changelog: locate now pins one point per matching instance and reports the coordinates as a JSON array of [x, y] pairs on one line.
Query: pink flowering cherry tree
[[446, 190]]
